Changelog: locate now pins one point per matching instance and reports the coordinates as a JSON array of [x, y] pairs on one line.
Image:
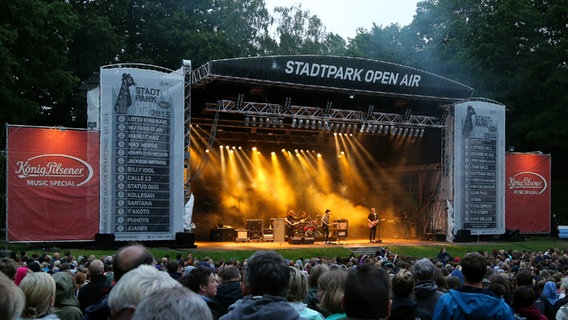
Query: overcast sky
[[345, 16]]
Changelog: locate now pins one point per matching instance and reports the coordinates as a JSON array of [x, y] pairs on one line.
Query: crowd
[[133, 284]]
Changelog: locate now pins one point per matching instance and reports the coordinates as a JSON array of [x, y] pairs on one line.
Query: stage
[[348, 244]]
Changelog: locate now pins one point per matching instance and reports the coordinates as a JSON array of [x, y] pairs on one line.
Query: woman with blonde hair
[[39, 289], [297, 292], [331, 286]]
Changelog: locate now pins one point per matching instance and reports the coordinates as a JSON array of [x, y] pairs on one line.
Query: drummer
[[304, 216]]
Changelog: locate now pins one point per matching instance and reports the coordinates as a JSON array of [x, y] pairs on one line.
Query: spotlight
[[349, 128], [326, 125], [313, 124], [254, 121], [307, 124], [422, 132], [294, 121], [247, 121], [381, 127], [301, 123], [362, 128], [370, 111], [281, 123], [320, 125], [287, 103], [327, 110], [261, 122], [354, 128], [240, 99]]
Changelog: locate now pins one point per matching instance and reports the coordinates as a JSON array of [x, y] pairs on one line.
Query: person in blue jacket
[[472, 301]]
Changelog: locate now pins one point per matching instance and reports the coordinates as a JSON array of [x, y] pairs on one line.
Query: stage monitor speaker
[[104, 240], [463, 235], [308, 240], [295, 240], [185, 240]]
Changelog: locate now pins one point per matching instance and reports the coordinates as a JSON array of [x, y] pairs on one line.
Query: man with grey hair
[[172, 303], [425, 288], [126, 258], [97, 288], [135, 285]]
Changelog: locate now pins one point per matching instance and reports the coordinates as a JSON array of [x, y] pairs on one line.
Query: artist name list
[[480, 183], [142, 174]]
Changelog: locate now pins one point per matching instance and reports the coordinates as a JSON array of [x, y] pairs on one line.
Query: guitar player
[[373, 219], [290, 223]]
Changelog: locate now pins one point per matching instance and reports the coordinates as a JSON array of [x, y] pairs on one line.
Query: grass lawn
[[426, 249]]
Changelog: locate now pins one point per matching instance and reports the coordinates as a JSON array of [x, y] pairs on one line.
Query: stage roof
[[323, 90]]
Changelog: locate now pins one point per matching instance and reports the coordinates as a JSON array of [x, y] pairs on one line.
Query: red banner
[[527, 192], [52, 184]]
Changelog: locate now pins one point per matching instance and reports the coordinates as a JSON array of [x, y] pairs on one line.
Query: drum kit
[[306, 226]]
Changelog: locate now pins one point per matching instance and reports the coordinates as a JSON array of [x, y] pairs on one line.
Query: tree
[[35, 76], [298, 31]]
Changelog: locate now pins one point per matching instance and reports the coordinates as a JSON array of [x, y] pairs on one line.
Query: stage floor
[[349, 244]]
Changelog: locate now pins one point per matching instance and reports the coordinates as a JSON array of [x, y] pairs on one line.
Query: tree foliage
[[512, 51]]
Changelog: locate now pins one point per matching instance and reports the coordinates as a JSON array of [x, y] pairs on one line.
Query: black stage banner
[[351, 74]]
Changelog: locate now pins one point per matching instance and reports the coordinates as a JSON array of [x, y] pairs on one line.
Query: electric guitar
[[374, 223]]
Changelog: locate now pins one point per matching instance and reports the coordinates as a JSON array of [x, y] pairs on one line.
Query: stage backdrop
[[52, 184], [527, 192], [142, 153]]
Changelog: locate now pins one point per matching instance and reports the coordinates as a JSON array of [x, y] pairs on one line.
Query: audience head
[[315, 272], [130, 257], [231, 273], [135, 285], [402, 284], [39, 289], [524, 278], [12, 299], [64, 289], [172, 303], [96, 268], [9, 267], [367, 292], [21, 274], [266, 272], [298, 288], [201, 280], [330, 290], [423, 270], [474, 267], [524, 296]]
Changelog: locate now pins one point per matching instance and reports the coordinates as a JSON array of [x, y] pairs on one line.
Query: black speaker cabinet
[[185, 240], [308, 240], [511, 235], [223, 234], [295, 240], [463, 235], [104, 240], [254, 224]]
